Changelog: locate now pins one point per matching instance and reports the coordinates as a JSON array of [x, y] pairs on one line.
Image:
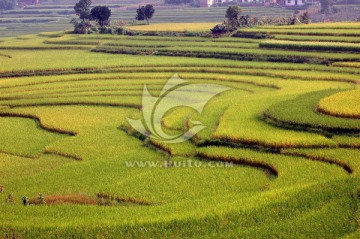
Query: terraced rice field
[[278, 156]]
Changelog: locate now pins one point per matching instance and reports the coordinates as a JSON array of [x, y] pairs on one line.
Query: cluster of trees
[[145, 13], [233, 16], [235, 20], [101, 15]]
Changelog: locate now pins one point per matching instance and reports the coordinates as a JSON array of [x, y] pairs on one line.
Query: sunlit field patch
[[200, 27], [343, 104]]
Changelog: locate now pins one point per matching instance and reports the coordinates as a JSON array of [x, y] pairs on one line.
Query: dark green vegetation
[[69, 154], [82, 9], [145, 13], [101, 14]]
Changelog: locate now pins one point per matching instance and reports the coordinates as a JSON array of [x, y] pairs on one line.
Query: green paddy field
[[284, 139]]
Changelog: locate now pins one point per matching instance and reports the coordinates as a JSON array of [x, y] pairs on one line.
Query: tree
[[82, 9], [7, 4], [149, 12], [140, 16], [101, 14], [233, 15], [145, 13], [326, 6]]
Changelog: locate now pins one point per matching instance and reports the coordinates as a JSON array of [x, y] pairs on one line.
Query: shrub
[[232, 17], [274, 21], [132, 33], [136, 23], [247, 21], [305, 18], [295, 21], [81, 27], [105, 30], [10, 199], [119, 30], [41, 198], [253, 35], [93, 29], [191, 34], [219, 28]]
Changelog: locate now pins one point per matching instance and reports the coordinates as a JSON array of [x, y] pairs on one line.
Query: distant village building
[[209, 3], [294, 3], [268, 3], [285, 3], [206, 3]]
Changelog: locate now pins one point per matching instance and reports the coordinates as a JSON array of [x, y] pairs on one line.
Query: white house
[[294, 2]]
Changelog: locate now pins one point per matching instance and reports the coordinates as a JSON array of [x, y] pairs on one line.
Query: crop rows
[[292, 114], [344, 104], [312, 46], [278, 154]]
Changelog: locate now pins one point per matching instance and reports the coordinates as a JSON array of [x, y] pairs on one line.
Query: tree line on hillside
[[234, 20], [101, 15]]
